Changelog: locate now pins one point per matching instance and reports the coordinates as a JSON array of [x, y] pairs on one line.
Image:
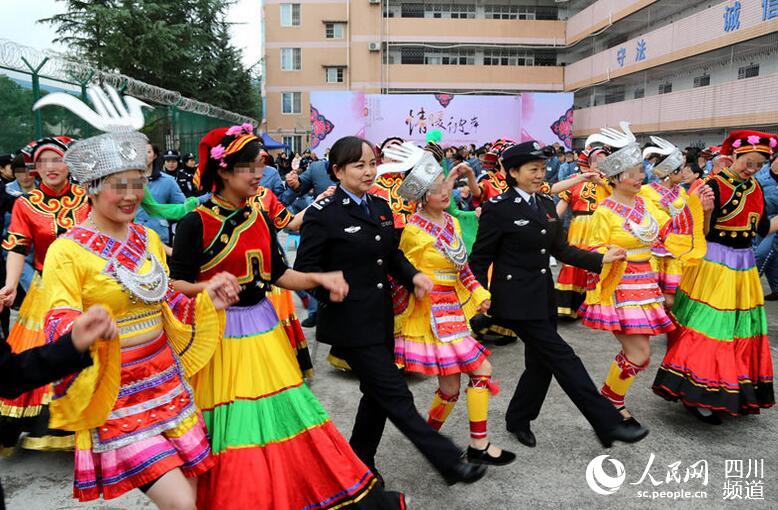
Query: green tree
[[180, 45], [16, 115]]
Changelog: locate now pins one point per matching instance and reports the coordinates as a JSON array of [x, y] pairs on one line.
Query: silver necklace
[[456, 251], [150, 287]]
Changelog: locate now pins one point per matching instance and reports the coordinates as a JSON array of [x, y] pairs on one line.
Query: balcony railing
[[715, 106]]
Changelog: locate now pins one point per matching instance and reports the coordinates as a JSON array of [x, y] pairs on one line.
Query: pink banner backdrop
[[335, 114], [547, 118], [461, 119]]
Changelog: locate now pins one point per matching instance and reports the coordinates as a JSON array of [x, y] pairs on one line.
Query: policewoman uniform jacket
[[519, 240], [337, 235]]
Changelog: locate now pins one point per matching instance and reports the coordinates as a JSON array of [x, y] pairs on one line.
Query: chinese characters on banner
[[461, 119], [420, 122]]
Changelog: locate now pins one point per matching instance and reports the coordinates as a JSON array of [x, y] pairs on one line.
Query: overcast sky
[[20, 16]]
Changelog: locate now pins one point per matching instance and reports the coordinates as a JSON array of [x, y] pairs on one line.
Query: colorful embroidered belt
[[638, 254], [153, 397], [446, 278], [134, 325]]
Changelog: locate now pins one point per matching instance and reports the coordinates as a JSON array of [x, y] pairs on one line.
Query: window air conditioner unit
[[374, 2], [374, 46]]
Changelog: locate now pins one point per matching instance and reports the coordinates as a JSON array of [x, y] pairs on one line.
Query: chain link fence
[[27, 74]]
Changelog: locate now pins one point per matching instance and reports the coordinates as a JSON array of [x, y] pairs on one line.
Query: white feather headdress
[[421, 163], [673, 157], [628, 155], [121, 148]]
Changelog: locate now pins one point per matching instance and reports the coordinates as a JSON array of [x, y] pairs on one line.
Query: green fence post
[[36, 93]]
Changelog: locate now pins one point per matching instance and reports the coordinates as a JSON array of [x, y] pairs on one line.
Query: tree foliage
[[181, 45], [18, 127]]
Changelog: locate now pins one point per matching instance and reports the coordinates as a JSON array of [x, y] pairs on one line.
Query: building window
[[460, 57], [294, 142], [412, 10], [639, 93], [291, 59], [701, 81], [291, 103], [334, 74], [665, 88], [749, 71], [508, 57], [509, 12], [290, 15], [334, 30], [452, 11]]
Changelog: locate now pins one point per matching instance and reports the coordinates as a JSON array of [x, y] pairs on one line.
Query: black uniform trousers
[[385, 394], [547, 354]]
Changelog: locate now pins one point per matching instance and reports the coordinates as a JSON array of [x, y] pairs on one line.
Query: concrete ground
[[552, 475]]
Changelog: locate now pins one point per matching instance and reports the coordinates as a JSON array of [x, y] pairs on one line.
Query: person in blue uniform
[[518, 231], [353, 233]]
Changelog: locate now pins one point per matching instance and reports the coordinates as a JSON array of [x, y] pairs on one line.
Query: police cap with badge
[[171, 154], [523, 153]]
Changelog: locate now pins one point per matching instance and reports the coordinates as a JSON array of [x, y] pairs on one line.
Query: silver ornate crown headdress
[[423, 169], [628, 155], [673, 157], [121, 148]]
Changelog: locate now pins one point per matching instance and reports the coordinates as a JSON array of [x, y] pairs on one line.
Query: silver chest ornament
[[456, 252], [150, 287], [648, 229]]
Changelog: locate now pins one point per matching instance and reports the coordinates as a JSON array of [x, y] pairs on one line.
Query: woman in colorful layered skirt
[[667, 194], [719, 359], [38, 218], [274, 445], [627, 299], [582, 200], [133, 410], [282, 299], [432, 335]]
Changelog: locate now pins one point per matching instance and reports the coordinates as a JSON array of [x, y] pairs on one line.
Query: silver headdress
[[628, 155], [423, 169], [673, 160], [121, 148]]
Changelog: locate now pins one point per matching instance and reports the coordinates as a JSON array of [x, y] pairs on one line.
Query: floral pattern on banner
[[444, 99], [563, 128], [320, 127]]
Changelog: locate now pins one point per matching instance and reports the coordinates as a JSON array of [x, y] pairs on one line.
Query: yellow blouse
[[73, 280], [682, 236], [418, 245]]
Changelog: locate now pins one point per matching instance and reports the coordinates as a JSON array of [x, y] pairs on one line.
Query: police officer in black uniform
[[352, 233], [186, 175], [517, 233]]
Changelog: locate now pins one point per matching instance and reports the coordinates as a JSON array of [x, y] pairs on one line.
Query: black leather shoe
[[310, 321], [475, 456], [463, 472], [525, 437], [503, 340], [624, 433], [710, 419], [631, 422]]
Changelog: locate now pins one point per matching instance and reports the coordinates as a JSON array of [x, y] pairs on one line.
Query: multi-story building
[[688, 69]]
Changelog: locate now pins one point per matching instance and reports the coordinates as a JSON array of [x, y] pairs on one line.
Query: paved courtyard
[[553, 475]]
